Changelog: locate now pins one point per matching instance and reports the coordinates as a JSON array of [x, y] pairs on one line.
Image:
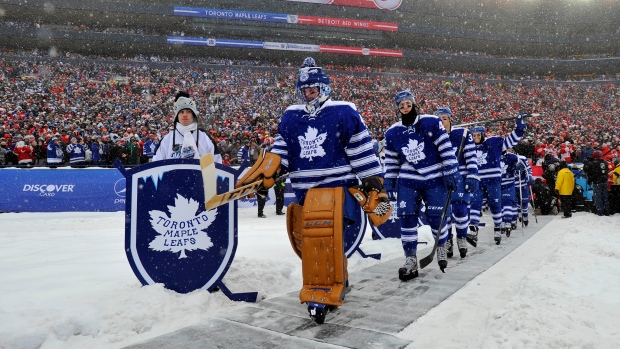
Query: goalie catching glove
[[266, 168], [374, 199]]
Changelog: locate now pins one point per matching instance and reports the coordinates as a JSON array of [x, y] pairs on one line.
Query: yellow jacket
[[616, 174], [565, 182]]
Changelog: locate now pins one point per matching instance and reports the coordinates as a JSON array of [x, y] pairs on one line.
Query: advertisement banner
[[230, 14], [183, 40], [61, 190], [269, 45], [347, 23], [360, 51], [376, 4]]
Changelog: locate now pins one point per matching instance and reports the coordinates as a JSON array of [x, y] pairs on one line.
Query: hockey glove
[[520, 123], [374, 199], [451, 178], [266, 168], [472, 183]]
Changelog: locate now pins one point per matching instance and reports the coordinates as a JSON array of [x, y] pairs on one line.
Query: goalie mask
[[313, 77]]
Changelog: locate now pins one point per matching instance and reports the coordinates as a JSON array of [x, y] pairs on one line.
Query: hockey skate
[[317, 311], [449, 247], [409, 270], [461, 243], [472, 235], [498, 235], [525, 221], [506, 229], [441, 257], [513, 226]]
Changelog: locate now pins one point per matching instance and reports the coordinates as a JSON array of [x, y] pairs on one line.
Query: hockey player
[[420, 164], [325, 147], [186, 141], [523, 181], [468, 167], [488, 152], [508, 162]]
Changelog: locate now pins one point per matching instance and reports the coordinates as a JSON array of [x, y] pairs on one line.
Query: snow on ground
[[66, 283]]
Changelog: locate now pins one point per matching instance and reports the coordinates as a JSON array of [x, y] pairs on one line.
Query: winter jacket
[[565, 183]]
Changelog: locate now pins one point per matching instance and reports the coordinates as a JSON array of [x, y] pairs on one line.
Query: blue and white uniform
[[508, 162], [468, 168], [489, 153], [330, 147], [76, 153], [416, 159], [523, 180]]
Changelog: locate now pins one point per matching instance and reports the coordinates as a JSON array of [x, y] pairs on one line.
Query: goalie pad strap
[[323, 262], [265, 168], [294, 225]]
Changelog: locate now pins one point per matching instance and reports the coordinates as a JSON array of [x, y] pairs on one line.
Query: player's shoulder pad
[[332, 103], [295, 107]]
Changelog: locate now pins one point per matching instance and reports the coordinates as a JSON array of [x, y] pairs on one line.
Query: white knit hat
[[184, 103]]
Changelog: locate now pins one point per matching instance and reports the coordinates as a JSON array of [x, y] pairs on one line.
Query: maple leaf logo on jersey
[[183, 230], [414, 151], [311, 142], [503, 166], [481, 157]]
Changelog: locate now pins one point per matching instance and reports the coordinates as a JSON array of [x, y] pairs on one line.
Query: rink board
[[375, 311]]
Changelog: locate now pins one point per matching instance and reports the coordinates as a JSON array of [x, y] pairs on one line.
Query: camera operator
[[596, 171]]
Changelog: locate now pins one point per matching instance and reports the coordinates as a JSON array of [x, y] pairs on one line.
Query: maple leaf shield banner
[[170, 237]]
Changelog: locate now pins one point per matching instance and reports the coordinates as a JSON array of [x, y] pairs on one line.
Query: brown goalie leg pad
[[323, 261], [294, 225]]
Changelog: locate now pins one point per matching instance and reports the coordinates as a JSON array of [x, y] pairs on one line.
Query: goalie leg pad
[[294, 225], [323, 261]]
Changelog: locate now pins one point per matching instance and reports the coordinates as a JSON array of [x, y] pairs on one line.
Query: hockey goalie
[[326, 149]]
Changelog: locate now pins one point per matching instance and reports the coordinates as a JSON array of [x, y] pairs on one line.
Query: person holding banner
[[186, 141]]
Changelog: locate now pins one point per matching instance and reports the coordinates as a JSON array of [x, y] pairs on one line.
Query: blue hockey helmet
[[402, 96], [443, 111], [479, 129], [313, 77]]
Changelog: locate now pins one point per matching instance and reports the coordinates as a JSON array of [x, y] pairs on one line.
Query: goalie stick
[[212, 199]]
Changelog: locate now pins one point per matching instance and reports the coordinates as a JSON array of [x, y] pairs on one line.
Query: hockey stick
[[521, 206], [496, 120], [533, 202], [428, 259], [212, 199]]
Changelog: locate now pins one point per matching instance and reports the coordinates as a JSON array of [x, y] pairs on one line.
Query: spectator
[[564, 186], [596, 171], [76, 152], [2, 152]]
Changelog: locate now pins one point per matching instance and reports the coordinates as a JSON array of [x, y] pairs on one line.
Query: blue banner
[[61, 190], [183, 40], [230, 14]]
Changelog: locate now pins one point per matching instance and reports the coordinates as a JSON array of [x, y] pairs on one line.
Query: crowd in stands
[[120, 106]]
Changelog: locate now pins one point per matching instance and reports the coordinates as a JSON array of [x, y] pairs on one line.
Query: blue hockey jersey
[[524, 178], [489, 152], [416, 155], [328, 149], [507, 164], [468, 163]]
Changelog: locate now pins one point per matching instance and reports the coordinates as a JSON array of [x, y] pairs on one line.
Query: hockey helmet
[[402, 96], [443, 111], [313, 77], [479, 129]]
